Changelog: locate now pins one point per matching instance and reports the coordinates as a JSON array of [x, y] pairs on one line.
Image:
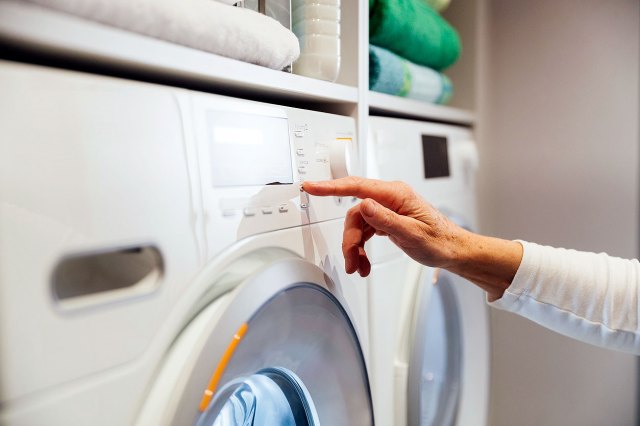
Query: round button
[[341, 157]]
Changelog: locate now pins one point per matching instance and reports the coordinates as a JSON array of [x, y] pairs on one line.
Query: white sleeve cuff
[[527, 272]]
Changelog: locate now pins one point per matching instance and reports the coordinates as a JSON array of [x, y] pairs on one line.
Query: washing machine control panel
[[253, 157]]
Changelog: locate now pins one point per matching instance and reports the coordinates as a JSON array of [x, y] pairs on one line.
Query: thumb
[[382, 219]]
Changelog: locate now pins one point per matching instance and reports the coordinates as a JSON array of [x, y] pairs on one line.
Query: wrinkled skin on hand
[[391, 209], [421, 231]]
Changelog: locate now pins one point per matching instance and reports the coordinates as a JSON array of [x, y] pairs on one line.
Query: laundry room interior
[[319, 212]]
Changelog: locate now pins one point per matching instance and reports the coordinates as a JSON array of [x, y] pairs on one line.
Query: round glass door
[[436, 360], [272, 396], [276, 348], [298, 363]]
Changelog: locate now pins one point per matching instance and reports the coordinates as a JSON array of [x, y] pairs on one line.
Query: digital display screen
[[249, 149], [435, 155]]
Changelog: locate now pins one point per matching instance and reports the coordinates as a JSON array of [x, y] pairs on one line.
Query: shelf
[[383, 104], [37, 29]]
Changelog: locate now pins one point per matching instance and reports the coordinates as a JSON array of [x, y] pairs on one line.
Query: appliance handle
[[95, 277]]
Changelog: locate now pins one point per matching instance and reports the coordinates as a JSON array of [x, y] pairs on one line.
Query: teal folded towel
[[413, 30], [391, 74]]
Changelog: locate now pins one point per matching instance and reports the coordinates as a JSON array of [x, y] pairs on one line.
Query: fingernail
[[368, 208], [306, 183]]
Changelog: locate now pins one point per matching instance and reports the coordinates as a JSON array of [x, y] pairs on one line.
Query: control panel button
[[228, 212], [300, 152], [267, 210], [302, 170], [298, 133], [340, 153], [283, 208], [304, 206], [248, 211]]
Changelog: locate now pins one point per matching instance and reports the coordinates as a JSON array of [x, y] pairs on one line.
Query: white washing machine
[[429, 329], [159, 264]]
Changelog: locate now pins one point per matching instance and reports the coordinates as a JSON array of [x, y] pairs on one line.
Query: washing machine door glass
[[298, 363], [271, 396], [277, 348], [435, 368]]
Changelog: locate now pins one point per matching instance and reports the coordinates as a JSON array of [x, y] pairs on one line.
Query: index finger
[[386, 193]]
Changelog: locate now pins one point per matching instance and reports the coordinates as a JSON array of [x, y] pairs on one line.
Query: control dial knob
[[342, 158]]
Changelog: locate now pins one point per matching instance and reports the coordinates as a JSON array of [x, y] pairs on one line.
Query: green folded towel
[[411, 29]]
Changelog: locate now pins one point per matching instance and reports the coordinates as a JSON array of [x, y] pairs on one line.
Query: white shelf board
[[403, 107], [40, 29]]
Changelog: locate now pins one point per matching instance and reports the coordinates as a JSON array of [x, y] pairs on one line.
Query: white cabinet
[[78, 43]]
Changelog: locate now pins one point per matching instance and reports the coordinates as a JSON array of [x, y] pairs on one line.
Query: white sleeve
[[590, 297]]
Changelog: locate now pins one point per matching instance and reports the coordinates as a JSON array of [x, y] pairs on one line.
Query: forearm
[[490, 263], [588, 296]]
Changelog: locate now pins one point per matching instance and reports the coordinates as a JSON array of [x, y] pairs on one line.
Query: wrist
[[490, 263], [457, 249]]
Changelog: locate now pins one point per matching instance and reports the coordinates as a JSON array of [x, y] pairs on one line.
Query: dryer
[[429, 328], [160, 264]]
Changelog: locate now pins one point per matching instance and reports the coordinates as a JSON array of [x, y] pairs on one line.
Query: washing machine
[[159, 264], [429, 329]]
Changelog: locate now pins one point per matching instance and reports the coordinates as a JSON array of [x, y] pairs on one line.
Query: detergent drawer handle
[[89, 278]]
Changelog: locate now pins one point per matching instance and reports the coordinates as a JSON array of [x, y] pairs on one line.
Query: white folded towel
[[206, 25]]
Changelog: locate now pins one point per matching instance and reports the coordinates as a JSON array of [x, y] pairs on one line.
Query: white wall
[[560, 152]]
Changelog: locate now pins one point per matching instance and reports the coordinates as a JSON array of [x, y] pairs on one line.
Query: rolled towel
[[391, 74], [214, 27], [414, 31]]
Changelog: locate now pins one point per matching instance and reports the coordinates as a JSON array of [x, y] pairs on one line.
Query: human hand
[[391, 209], [421, 231]]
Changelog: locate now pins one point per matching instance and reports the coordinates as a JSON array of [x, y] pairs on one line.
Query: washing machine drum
[[271, 396], [298, 363], [295, 360]]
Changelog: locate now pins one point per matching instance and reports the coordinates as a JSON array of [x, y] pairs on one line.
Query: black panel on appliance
[[435, 156]]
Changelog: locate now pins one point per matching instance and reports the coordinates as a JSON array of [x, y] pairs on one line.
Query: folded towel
[[414, 31], [391, 74], [201, 24]]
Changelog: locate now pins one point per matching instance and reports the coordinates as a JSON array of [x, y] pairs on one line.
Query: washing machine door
[[280, 349], [435, 367]]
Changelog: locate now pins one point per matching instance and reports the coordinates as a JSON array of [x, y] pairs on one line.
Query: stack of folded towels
[[410, 44]]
